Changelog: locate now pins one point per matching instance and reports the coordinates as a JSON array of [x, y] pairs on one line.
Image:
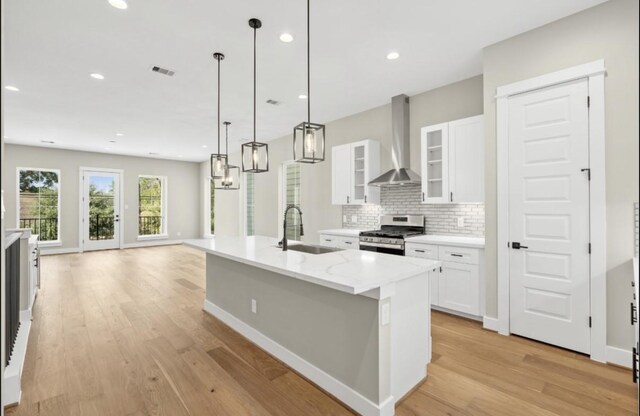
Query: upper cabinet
[[453, 161], [353, 165]]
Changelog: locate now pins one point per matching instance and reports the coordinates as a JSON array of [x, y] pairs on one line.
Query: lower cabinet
[[459, 285], [340, 241]]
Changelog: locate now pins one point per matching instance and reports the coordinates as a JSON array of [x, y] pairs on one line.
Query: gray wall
[[458, 100], [183, 179], [610, 32]]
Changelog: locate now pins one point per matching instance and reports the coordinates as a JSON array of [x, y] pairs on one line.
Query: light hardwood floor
[[123, 333]]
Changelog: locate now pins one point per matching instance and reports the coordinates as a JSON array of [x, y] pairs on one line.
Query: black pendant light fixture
[[255, 155], [230, 178], [308, 137], [218, 160]]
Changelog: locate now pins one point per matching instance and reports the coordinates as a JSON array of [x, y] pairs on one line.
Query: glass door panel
[[101, 219]]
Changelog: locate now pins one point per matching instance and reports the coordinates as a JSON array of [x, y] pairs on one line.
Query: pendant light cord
[[308, 65], [254, 83], [218, 107]]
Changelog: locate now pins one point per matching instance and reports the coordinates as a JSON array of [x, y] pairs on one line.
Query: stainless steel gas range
[[393, 230]]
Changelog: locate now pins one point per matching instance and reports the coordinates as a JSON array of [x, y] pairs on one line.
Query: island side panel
[[410, 333], [336, 332]]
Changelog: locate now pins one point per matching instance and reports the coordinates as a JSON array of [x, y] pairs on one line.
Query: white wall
[[183, 180], [458, 100], [610, 32]]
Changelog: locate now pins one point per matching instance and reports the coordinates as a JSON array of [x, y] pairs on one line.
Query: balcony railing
[[101, 227], [149, 225], [46, 228]]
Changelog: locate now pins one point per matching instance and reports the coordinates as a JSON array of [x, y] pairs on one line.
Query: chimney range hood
[[401, 174]]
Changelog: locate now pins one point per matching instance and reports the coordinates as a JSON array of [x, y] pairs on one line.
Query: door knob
[[517, 246]]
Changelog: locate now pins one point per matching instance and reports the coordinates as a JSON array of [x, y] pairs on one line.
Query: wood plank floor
[[123, 333]]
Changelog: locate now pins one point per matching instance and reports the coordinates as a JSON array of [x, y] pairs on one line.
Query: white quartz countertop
[[350, 271], [344, 232], [448, 240]]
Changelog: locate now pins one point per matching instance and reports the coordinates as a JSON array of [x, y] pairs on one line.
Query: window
[[39, 202], [291, 194], [212, 200], [249, 204], [152, 206]]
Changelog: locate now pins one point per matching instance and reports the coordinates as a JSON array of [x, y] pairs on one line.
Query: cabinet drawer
[[339, 242], [424, 251], [459, 254]]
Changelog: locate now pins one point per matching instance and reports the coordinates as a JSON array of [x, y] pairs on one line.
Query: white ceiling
[[52, 47]]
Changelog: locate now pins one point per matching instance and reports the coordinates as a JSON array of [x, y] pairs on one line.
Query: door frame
[[81, 172], [594, 72]]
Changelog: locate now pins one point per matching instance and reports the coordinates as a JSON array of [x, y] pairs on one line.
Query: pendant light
[[230, 179], [255, 155], [308, 137], [218, 160]]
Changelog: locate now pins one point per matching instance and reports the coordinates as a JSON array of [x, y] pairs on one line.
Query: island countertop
[[350, 271]]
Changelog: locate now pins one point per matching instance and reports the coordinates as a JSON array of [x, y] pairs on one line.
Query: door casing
[[82, 171], [595, 72]]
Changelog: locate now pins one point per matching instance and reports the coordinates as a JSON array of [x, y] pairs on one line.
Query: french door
[[549, 215], [100, 222]]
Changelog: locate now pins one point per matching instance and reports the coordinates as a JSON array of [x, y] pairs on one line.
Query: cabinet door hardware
[[451, 196], [423, 197], [456, 255], [347, 199], [365, 199], [418, 251]]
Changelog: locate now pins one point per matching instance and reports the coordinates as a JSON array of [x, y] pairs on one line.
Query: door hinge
[[508, 244], [588, 101], [589, 322], [588, 172]]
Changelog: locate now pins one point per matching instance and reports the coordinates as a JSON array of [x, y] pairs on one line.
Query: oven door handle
[[382, 245]]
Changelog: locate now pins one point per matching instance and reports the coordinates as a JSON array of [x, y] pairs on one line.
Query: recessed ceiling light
[[97, 76], [393, 55], [302, 96], [112, 141], [204, 146], [180, 156], [119, 134], [286, 37], [11, 88], [107, 148], [153, 153], [47, 141], [118, 4]]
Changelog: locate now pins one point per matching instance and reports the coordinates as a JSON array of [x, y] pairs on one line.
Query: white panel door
[[101, 210], [341, 174], [458, 287], [466, 160], [549, 215]]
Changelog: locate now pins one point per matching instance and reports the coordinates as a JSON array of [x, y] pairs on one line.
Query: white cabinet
[[353, 165], [458, 287], [453, 161], [336, 241]]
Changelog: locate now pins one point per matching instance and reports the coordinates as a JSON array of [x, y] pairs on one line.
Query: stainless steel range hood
[[400, 174]]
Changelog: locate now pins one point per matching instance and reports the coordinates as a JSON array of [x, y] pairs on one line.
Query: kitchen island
[[355, 323]]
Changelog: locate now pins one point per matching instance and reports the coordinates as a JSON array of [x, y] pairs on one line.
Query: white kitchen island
[[355, 323]]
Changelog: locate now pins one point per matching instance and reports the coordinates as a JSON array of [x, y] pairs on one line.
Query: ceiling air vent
[[163, 71], [273, 102]]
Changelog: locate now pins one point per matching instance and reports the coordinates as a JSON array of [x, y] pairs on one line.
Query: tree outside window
[[39, 202], [150, 206]]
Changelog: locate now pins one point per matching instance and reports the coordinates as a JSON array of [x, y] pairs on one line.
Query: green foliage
[[39, 203]]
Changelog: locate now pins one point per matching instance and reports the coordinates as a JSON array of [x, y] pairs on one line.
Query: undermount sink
[[311, 249]]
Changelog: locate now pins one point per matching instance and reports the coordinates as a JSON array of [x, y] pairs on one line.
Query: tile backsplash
[[440, 218]]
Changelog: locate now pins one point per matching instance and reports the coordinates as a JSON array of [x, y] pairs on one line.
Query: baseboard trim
[[492, 324], [342, 392], [13, 372], [44, 251], [618, 356], [151, 243]]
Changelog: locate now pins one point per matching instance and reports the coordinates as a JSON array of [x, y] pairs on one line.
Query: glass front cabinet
[[353, 165]]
